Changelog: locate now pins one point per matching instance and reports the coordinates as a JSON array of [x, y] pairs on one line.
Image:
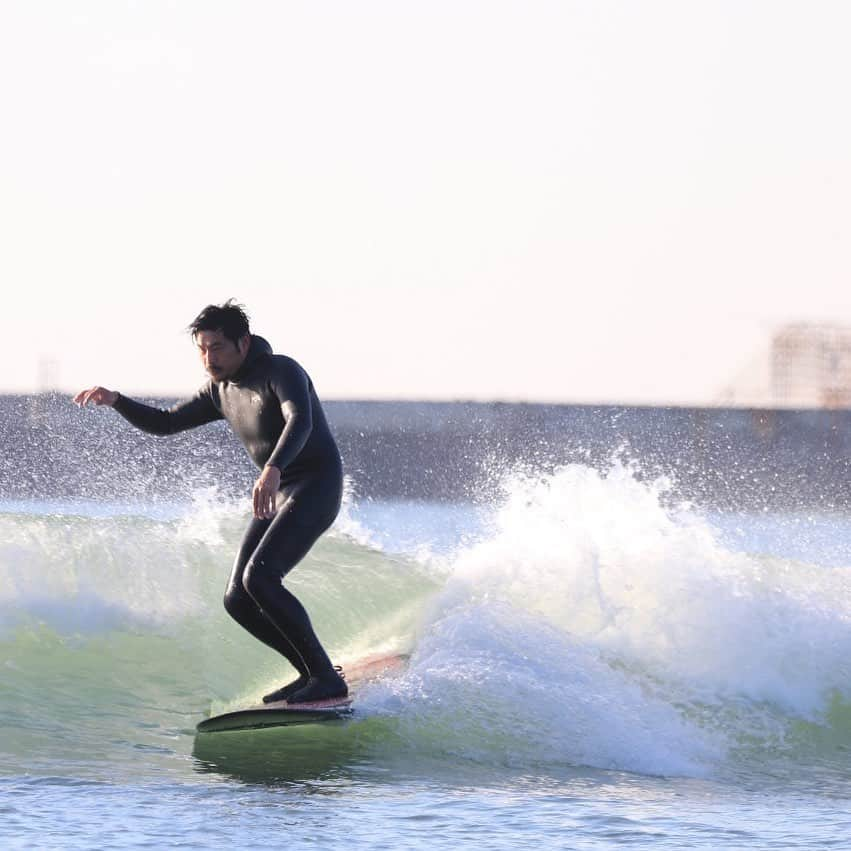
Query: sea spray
[[624, 632], [601, 556]]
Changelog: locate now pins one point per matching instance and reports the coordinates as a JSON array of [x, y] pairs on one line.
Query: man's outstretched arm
[[194, 412]]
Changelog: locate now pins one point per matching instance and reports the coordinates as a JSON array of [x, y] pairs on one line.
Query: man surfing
[[270, 403]]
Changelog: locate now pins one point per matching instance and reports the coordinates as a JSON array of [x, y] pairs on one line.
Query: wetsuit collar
[[258, 348]]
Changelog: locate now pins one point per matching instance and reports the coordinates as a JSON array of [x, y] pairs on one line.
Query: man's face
[[220, 356]]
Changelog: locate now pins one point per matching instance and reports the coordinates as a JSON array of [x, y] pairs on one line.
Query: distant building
[[802, 365], [811, 366]]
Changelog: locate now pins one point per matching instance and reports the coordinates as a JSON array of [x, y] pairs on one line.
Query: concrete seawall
[[723, 458]]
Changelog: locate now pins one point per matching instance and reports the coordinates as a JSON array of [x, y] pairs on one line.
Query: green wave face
[[114, 641]]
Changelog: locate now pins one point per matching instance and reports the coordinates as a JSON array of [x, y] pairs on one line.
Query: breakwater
[[720, 457]]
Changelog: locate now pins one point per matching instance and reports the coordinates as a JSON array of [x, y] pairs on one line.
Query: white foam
[[489, 683], [620, 620]]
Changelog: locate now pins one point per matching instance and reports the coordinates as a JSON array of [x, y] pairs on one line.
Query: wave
[[616, 631], [588, 622]]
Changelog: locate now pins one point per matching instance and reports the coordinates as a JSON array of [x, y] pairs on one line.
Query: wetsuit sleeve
[[292, 388], [196, 411]]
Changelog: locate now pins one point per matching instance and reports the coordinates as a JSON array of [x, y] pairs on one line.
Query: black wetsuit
[[300, 444]]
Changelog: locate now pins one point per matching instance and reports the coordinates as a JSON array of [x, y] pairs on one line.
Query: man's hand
[[97, 396], [266, 492]]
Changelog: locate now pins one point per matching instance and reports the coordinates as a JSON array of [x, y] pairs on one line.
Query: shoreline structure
[[719, 458]]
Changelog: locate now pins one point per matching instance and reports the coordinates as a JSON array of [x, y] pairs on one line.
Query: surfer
[[270, 403]]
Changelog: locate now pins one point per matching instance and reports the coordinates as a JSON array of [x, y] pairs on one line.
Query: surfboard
[[282, 714], [277, 714]]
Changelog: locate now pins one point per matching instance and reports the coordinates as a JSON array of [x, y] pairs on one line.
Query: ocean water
[[591, 666]]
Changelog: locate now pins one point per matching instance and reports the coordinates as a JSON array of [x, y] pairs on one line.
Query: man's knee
[[235, 599], [256, 581]]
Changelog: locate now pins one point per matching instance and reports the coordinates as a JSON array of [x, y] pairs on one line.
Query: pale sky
[[548, 201]]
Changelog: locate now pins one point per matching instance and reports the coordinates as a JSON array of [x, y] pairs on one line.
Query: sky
[[541, 201]]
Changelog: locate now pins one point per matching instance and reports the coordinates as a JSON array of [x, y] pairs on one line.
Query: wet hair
[[230, 318]]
